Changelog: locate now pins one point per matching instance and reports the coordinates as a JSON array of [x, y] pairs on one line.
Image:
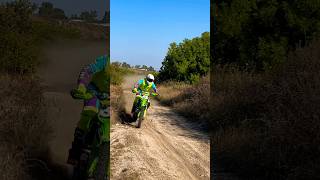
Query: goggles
[[150, 80]]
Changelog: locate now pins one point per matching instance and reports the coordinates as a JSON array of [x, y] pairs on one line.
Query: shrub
[[268, 124], [21, 37], [17, 51], [192, 101], [117, 74], [44, 30], [259, 34], [24, 130]]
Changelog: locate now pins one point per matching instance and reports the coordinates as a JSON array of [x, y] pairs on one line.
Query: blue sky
[[141, 30]]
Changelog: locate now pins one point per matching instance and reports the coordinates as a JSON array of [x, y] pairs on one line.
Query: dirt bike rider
[[143, 85], [93, 77]]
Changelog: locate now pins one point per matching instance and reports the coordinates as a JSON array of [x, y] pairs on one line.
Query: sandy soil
[[165, 147]]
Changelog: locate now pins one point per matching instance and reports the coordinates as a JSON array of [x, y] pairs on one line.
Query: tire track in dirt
[[165, 147]]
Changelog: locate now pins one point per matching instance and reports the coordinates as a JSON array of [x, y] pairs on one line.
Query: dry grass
[[10, 162], [117, 103], [267, 125], [90, 31], [171, 92], [24, 132], [232, 96], [83, 30], [192, 101]]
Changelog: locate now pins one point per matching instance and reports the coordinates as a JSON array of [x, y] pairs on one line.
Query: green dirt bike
[[141, 107], [94, 159]]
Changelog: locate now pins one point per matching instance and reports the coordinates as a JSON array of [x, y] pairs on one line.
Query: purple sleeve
[[137, 84], [88, 71], [85, 76]]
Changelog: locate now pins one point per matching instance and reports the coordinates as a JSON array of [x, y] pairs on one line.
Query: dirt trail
[[59, 74], [164, 148]]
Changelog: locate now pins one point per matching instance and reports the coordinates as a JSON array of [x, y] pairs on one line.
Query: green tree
[[116, 64], [47, 10], [259, 34], [74, 16], [106, 17], [89, 16], [150, 68], [187, 61], [34, 8], [58, 14], [125, 65], [137, 66]]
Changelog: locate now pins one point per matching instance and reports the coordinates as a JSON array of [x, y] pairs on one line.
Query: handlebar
[[154, 94], [146, 93]]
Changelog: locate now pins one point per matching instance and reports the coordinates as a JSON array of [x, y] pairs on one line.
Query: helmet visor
[[149, 80]]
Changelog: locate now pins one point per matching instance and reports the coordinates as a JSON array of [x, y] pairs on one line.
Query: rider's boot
[[77, 144], [148, 104], [132, 110], [134, 106]]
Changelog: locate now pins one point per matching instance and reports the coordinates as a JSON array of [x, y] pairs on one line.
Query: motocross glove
[[82, 89], [105, 102], [154, 94], [135, 90], [81, 93]]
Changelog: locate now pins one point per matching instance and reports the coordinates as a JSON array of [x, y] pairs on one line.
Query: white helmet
[[150, 78]]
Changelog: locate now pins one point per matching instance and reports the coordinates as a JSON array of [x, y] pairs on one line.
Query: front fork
[[137, 102], [142, 114], [104, 137]]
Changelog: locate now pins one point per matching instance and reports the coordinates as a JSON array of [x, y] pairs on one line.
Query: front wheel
[[140, 117], [103, 162], [79, 171], [138, 123]]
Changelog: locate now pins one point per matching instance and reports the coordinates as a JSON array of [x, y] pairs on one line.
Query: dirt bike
[[94, 158], [141, 107]]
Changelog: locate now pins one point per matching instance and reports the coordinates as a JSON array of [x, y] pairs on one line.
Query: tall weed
[[24, 130], [267, 125]]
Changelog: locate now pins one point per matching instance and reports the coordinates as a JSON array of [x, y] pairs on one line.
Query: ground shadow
[[195, 129], [58, 171], [125, 118]]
